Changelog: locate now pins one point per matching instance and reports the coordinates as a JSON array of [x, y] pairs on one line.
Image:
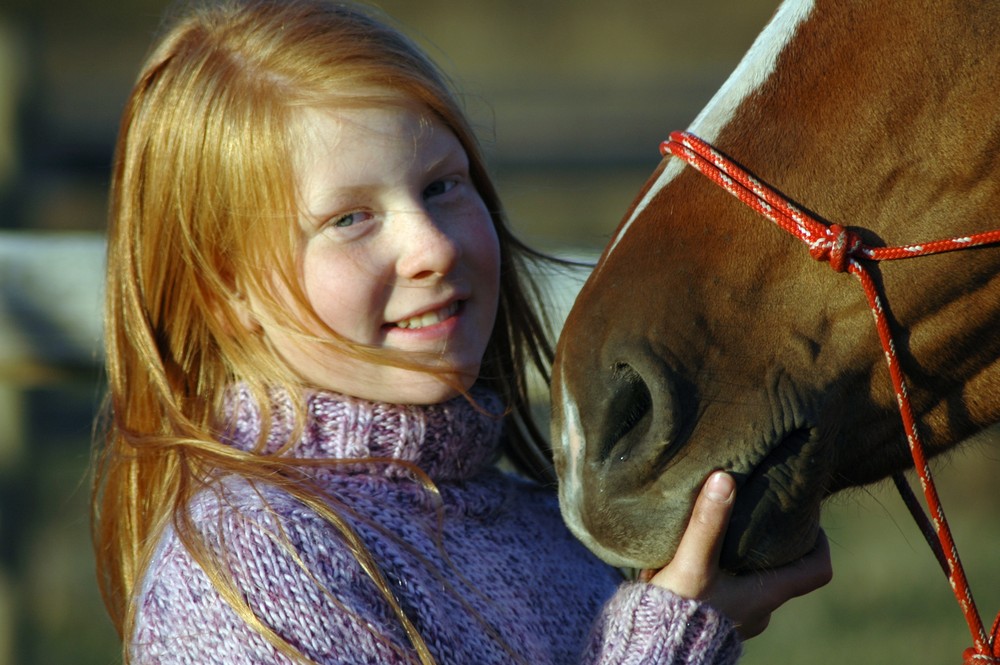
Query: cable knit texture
[[487, 573]]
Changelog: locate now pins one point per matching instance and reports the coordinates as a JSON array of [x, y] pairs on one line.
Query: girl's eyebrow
[[335, 199], [445, 157]]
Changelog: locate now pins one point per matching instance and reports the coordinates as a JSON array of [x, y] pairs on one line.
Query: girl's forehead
[[351, 126]]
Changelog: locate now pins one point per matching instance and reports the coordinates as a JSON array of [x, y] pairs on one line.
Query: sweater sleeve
[[290, 568], [646, 624]]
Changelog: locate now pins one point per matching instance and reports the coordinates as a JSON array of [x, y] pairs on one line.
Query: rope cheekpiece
[[844, 250]]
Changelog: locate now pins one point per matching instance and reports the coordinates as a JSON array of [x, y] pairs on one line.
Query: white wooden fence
[[50, 329], [50, 316]]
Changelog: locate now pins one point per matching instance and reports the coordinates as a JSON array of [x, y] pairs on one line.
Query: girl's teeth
[[429, 319]]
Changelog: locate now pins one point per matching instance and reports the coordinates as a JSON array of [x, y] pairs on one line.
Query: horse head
[[707, 339]]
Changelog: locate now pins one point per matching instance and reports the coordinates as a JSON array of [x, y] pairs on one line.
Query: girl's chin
[[400, 386]]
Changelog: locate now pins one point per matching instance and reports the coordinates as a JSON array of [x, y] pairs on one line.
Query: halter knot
[[836, 247], [972, 657]]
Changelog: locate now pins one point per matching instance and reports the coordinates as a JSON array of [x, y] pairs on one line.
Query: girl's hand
[[747, 599]]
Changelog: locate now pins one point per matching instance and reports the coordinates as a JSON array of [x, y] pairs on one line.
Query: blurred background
[[572, 98]]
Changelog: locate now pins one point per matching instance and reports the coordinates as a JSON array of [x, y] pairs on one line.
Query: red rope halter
[[844, 249]]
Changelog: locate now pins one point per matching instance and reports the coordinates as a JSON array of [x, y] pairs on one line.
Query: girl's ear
[[232, 312], [240, 307]]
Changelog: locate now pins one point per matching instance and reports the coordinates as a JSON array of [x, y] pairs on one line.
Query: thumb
[[692, 571]]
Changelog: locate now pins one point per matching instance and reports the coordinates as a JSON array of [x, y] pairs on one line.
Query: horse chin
[[776, 519]]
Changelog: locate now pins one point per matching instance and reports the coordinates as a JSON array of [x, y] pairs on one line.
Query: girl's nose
[[427, 248]]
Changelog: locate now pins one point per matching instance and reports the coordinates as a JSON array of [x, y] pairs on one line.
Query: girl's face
[[399, 253]]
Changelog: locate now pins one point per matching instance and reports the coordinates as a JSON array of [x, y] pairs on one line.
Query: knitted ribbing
[[500, 581], [448, 441]]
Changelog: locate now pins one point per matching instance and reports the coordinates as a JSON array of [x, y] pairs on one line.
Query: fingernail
[[720, 487]]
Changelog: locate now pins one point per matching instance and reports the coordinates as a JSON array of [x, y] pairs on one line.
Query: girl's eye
[[439, 187], [350, 219]]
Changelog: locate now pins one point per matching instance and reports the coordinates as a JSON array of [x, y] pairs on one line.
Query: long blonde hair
[[202, 193]]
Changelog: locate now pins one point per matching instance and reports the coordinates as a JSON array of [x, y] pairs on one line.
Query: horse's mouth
[[776, 516]]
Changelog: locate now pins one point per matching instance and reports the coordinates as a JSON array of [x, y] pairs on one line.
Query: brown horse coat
[[707, 339]]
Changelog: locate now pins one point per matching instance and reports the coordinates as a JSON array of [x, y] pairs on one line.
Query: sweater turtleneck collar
[[452, 440]]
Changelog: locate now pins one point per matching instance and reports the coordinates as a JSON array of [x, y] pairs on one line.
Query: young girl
[[318, 333]]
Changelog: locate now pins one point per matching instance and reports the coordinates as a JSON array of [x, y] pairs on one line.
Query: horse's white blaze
[[572, 446], [569, 485], [755, 68]]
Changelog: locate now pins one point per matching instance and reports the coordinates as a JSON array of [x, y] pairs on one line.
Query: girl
[[318, 334]]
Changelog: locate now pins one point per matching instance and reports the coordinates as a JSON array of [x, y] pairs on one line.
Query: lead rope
[[843, 248]]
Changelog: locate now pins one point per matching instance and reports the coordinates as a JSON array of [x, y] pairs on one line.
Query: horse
[[707, 339]]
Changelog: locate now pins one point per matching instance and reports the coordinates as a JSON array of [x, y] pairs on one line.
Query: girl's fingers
[[800, 577], [750, 599], [692, 571]]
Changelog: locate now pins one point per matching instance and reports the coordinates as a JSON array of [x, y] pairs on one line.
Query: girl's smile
[[432, 318], [398, 253]]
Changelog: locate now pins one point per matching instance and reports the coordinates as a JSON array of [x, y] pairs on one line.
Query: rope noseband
[[845, 250]]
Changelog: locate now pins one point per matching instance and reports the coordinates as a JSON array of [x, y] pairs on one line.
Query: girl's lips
[[428, 319]]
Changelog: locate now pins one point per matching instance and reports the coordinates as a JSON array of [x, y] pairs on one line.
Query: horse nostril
[[629, 405]]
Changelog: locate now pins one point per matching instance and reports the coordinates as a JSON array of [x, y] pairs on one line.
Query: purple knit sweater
[[500, 581]]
